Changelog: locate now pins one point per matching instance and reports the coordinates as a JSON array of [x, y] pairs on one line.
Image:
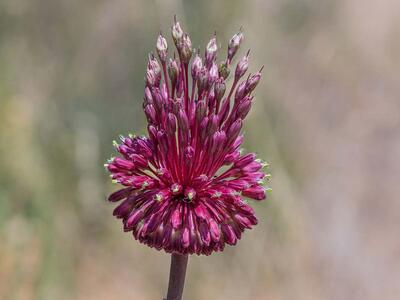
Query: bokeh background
[[326, 117]]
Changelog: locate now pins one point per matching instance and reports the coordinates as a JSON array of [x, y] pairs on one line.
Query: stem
[[177, 276]]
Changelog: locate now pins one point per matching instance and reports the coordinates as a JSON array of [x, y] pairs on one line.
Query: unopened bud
[[234, 44], [211, 51], [213, 124], [244, 108], [242, 67], [173, 70], [150, 114], [188, 153], [196, 66], [252, 82], [183, 121], [240, 91], [177, 33], [219, 89], [218, 141], [154, 65], [234, 130], [200, 111], [162, 48], [150, 78], [202, 81], [148, 98], [153, 74], [185, 49], [213, 74], [171, 124]]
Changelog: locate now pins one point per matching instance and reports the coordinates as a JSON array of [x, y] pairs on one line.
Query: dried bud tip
[[211, 50], [162, 48], [177, 32]]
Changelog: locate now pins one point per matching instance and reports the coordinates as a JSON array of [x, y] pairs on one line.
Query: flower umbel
[[184, 184]]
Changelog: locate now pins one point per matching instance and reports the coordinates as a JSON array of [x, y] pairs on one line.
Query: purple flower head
[[184, 184]]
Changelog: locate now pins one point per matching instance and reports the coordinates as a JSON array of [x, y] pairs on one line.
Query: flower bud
[[252, 82], [255, 192], [200, 180], [162, 48], [185, 49], [243, 108], [162, 140], [252, 167], [202, 81], [148, 98], [230, 158], [211, 100], [121, 194], [139, 160], [212, 74], [196, 66], [158, 100], [150, 114], [151, 79], [242, 67], [152, 132], [245, 160], [173, 70], [177, 33], [189, 153], [240, 91], [183, 120], [223, 113], [144, 147], [200, 111], [234, 130], [213, 124], [229, 234], [203, 129], [171, 124], [243, 221], [219, 89], [223, 70], [164, 174], [154, 65], [234, 44], [218, 141], [122, 163], [211, 51]]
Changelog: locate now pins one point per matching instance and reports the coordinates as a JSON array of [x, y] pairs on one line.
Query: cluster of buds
[[176, 197]]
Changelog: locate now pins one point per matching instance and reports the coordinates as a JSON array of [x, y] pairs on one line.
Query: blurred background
[[326, 117]]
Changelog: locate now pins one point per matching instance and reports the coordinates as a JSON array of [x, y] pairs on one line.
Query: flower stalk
[[177, 276]]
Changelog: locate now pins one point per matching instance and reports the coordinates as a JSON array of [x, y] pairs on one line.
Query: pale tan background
[[326, 117]]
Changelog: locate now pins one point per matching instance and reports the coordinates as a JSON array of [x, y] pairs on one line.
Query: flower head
[[184, 184]]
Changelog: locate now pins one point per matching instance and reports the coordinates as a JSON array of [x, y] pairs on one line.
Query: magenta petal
[[229, 234], [121, 194], [185, 238], [204, 233], [214, 230]]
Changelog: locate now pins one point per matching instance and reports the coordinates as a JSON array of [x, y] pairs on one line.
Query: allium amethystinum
[[184, 184]]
